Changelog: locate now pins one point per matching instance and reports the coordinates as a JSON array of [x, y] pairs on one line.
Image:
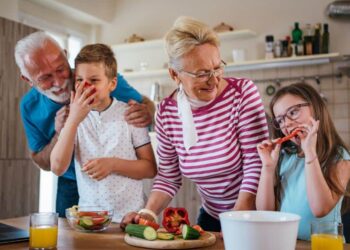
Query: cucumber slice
[[86, 222], [141, 231], [189, 233], [165, 236]]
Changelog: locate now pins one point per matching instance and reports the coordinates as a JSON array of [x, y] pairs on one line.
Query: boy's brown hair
[[98, 53]]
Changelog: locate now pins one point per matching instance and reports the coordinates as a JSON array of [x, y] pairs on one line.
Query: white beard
[[63, 97]]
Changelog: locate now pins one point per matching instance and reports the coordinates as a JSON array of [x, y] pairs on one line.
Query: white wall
[[8, 9], [152, 18]]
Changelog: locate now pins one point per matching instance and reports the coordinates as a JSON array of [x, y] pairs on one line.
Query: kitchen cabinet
[[150, 56]]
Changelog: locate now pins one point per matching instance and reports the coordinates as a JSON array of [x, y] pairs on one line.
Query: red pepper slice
[[288, 137], [173, 218], [145, 222]]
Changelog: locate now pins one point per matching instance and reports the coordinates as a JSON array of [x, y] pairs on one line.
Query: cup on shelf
[[43, 230], [238, 55], [327, 235]]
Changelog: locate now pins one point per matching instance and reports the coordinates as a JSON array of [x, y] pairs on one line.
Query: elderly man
[[44, 66]]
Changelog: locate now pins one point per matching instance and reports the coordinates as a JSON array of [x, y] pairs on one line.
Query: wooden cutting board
[[207, 239]]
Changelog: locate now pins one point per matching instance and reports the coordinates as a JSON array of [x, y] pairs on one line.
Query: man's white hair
[[28, 45]]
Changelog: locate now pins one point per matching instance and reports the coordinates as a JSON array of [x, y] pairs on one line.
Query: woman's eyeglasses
[[292, 113], [206, 75]]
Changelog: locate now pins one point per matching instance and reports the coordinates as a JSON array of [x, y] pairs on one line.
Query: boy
[[111, 157]]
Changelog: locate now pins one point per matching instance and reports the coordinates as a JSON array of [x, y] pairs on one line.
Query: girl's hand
[[308, 136], [269, 152], [99, 168], [79, 103]]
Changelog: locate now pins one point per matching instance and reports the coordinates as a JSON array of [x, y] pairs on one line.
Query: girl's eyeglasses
[[292, 113]]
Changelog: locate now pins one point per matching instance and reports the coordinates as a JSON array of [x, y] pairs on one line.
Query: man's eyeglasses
[[292, 113], [204, 76]]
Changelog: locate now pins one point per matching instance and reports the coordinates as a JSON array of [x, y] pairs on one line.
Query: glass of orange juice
[[327, 235], [43, 231]]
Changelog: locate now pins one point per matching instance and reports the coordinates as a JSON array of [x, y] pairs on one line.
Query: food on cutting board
[[141, 231], [145, 222], [173, 218], [176, 226]]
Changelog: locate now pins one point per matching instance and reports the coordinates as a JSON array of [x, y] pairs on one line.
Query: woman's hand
[[269, 152], [308, 137], [134, 218], [129, 218], [79, 102], [98, 168]]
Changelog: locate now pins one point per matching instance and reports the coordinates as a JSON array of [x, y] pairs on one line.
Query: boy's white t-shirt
[[107, 134]]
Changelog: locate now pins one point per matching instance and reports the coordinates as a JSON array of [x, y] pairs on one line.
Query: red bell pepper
[[145, 222], [288, 137], [173, 218]]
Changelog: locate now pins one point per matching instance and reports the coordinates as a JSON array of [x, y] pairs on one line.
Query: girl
[[307, 175]]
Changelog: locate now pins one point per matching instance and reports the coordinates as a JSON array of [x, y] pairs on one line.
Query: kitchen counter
[[113, 238]]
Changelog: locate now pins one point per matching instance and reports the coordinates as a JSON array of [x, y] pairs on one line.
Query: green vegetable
[[141, 231], [86, 222], [189, 233], [165, 236]]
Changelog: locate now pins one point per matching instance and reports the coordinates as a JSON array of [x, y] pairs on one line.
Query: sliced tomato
[[145, 222], [91, 213], [98, 220]]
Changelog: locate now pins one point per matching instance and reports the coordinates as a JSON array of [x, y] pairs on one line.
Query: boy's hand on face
[[61, 117], [98, 168], [80, 103], [138, 114]]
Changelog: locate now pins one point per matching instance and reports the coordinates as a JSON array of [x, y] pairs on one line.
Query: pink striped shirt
[[224, 161]]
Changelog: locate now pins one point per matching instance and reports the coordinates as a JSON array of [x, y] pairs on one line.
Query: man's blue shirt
[[38, 115]]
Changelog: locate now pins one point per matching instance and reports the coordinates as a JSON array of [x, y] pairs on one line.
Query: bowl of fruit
[[89, 218]]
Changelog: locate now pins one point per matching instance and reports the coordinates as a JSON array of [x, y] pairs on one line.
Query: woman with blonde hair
[[207, 129]]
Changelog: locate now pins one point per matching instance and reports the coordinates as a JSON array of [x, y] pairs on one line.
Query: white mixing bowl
[[259, 230]]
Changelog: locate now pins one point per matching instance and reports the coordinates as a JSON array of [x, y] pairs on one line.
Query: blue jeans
[[207, 222], [67, 195]]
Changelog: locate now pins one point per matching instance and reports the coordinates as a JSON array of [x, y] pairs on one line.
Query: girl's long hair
[[329, 143]]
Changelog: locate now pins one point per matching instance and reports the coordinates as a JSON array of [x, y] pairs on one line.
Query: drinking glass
[[326, 235], [43, 231]]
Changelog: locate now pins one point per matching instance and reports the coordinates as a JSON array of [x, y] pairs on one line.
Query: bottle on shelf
[[308, 38], [325, 39], [299, 48], [297, 33], [290, 47], [269, 47], [284, 52], [316, 46], [277, 49]]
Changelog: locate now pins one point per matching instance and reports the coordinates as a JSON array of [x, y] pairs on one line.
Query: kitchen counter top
[[112, 238]]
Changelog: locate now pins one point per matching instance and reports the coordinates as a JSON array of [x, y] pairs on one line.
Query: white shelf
[[236, 34], [250, 65], [281, 62]]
